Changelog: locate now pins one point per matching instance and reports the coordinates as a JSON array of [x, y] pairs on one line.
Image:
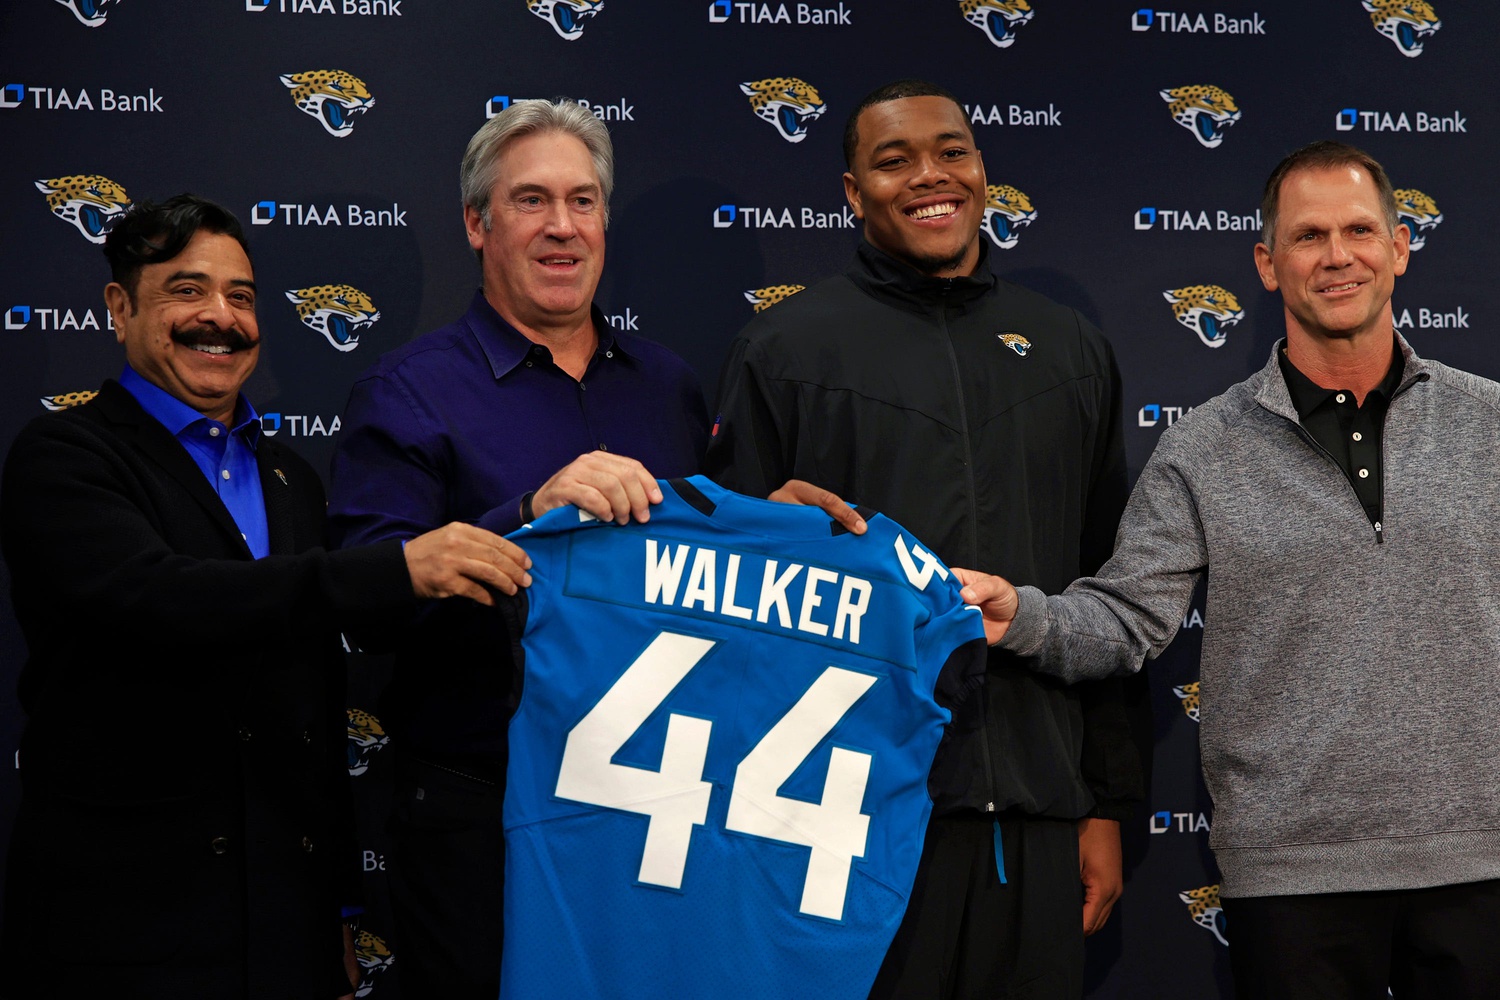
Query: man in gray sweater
[[1345, 508]]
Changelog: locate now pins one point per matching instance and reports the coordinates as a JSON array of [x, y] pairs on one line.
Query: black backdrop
[[107, 101]]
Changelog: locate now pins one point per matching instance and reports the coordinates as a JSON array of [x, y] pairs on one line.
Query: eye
[[894, 161]]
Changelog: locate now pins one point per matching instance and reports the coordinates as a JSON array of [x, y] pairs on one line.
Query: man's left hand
[[800, 491], [1100, 869]]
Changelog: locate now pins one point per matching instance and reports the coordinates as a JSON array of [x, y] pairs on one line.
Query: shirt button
[[537, 350], [1364, 473], [1339, 398], [528, 364], [582, 387], [213, 432], [219, 845], [603, 447], [609, 354], [1358, 436], [244, 734], [307, 844], [225, 473]]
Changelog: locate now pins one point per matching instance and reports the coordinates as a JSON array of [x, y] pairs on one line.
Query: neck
[[1357, 364], [571, 339]]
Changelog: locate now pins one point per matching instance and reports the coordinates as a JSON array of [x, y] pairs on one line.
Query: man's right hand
[[995, 598], [610, 487], [461, 560]]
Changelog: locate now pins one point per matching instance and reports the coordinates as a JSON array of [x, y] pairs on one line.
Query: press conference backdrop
[[1125, 149]]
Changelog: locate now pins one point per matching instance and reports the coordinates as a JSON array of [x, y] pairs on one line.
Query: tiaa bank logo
[[366, 737], [567, 17], [1419, 212], [68, 400], [998, 19], [331, 96], [90, 12], [1206, 910], [764, 298], [1006, 212], [1205, 111], [91, 202], [374, 958], [788, 103], [338, 312], [1207, 310], [1408, 23]]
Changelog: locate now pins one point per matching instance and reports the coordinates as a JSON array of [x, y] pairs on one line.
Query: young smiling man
[[985, 419], [1343, 505]]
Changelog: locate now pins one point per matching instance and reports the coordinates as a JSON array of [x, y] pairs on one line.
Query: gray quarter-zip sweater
[[1351, 674]]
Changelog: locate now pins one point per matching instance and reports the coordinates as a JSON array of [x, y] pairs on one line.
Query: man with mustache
[[184, 786]]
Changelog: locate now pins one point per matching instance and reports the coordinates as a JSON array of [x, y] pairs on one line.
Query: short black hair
[[890, 92], [151, 233]]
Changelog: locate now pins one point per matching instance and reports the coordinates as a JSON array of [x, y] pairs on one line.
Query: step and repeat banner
[[1125, 147]]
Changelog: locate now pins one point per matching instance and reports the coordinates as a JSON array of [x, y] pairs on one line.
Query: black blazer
[[184, 827]]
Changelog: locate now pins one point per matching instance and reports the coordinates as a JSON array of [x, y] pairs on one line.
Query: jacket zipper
[[963, 423]]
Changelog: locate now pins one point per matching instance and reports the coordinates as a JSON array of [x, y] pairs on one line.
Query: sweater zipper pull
[[1379, 533]]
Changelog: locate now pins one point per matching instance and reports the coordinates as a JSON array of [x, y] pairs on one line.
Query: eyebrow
[[902, 143], [592, 187], [201, 276]]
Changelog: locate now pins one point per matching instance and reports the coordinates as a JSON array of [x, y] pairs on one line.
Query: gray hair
[[477, 174]]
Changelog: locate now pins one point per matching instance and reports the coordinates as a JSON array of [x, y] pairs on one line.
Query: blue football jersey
[[718, 768]]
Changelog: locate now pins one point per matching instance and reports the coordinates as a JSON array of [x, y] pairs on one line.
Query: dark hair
[[1322, 155], [151, 233], [890, 92]]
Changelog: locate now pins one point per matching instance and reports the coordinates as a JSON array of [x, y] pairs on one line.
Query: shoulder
[[436, 350], [807, 311], [1199, 434], [1470, 391], [657, 359]]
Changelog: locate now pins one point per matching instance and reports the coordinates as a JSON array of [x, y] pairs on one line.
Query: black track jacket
[[985, 419]]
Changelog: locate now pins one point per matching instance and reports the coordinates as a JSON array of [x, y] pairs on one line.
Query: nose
[[1338, 253], [930, 170], [215, 309], [560, 223]]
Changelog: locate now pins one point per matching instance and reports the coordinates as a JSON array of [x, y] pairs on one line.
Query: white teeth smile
[[934, 211], [213, 349], [1342, 288]]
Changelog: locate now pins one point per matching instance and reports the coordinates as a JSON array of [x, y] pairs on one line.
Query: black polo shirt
[[1349, 433]]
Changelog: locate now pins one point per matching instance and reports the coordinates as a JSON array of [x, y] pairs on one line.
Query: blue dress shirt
[[459, 425], [226, 455]]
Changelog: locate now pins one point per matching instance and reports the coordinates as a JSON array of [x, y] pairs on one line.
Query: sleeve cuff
[[1029, 629]]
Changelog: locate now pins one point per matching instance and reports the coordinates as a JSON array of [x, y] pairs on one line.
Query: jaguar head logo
[[68, 400], [1206, 910], [90, 12], [998, 19], [788, 103], [567, 17], [331, 96], [1204, 111], [1207, 310], [374, 958], [91, 202], [1408, 23], [366, 737], [338, 312], [1419, 212], [1189, 694], [1006, 212], [764, 298], [1015, 342]]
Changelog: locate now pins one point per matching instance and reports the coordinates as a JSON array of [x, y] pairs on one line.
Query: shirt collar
[[506, 347], [1307, 395], [177, 416]]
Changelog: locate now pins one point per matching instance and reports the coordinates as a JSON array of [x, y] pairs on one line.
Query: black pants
[[968, 936], [446, 872], [1425, 944]]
